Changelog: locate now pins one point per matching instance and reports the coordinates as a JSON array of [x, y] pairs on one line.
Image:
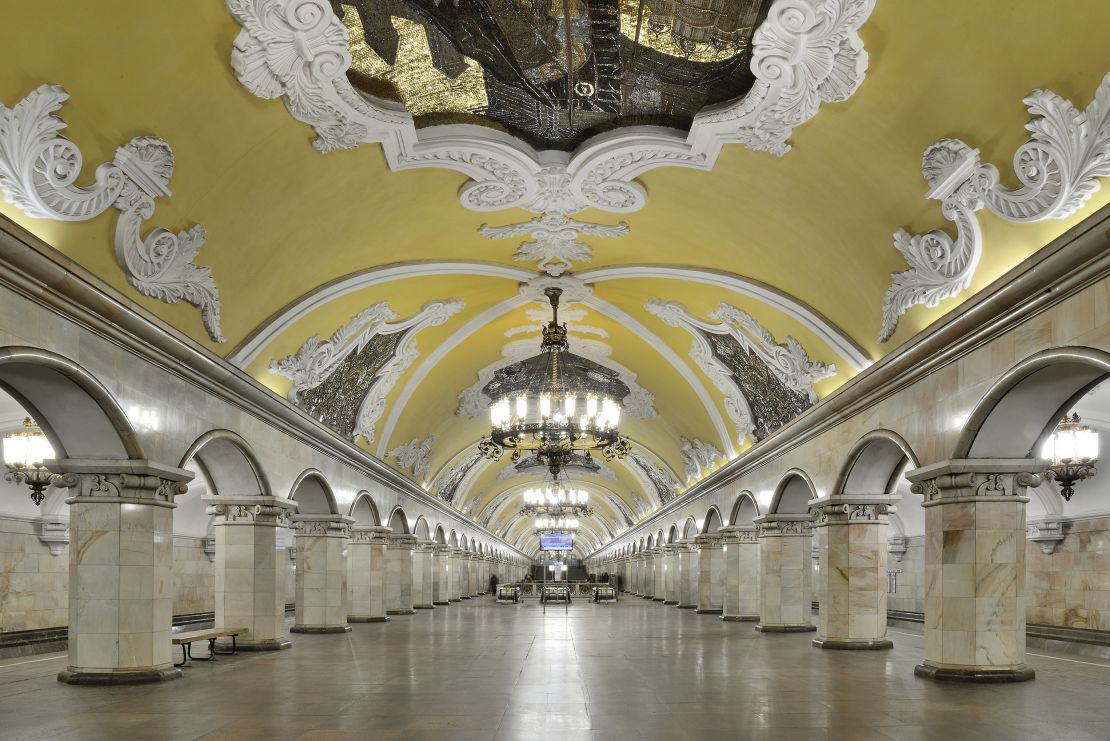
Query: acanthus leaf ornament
[[554, 244], [38, 169], [1058, 170]]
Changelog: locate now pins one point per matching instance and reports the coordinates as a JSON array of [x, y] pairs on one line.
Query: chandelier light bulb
[[521, 407], [591, 406], [570, 403], [545, 406]]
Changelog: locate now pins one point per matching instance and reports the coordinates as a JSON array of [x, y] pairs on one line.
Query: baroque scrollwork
[[38, 169], [1058, 169], [554, 244], [698, 457], [414, 456]]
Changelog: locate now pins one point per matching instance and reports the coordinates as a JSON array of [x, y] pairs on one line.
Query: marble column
[[649, 575], [659, 574], [975, 568], [740, 552], [422, 576], [785, 574], [670, 575], [250, 568], [687, 554], [454, 573], [366, 557], [440, 576], [852, 543], [475, 575], [321, 579], [711, 574], [120, 569], [398, 574]]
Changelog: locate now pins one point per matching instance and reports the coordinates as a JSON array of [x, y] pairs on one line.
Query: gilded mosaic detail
[[336, 400]]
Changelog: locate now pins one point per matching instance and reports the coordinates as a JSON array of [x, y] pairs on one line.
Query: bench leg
[[211, 651], [184, 655], [232, 652]]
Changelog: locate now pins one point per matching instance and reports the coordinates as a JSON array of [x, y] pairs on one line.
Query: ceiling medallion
[[555, 404]]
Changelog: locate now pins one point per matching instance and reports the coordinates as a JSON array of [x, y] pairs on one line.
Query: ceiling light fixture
[[555, 404], [24, 453], [1073, 449]]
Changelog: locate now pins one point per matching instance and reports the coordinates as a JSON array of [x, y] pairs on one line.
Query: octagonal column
[[852, 542], [687, 553], [649, 575], [321, 579], [120, 569], [785, 574], [670, 575], [250, 568], [975, 568], [475, 575], [366, 556], [423, 556], [454, 573], [398, 574], [740, 554], [659, 574], [711, 574], [440, 576]]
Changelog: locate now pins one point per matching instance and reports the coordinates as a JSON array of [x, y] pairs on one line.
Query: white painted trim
[[837, 339]]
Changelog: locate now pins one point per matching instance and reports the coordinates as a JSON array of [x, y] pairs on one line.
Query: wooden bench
[[185, 639]]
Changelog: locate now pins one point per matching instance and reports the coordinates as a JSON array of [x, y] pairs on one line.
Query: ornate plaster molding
[[1058, 170], [414, 456], [450, 481], [789, 361], [665, 484], [1047, 532], [554, 244], [698, 457], [316, 359], [806, 52], [38, 169], [54, 534]]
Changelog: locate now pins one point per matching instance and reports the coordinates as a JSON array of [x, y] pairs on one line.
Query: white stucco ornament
[[414, 456], [1058, 170], [38, 169]]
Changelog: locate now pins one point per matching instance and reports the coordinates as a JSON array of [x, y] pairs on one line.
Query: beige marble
[[398, 574], [785, 573], [441, 577], [711, 574], [321, 542], [366, 556], [688, 575], [1070, 587], [422, 562], [34, 584], [740, 557]]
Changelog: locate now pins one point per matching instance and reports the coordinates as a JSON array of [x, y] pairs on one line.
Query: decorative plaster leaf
[[317, 360], [414, 456], [38, 169], [666, 485], [554, 242], [1058, 170], [698, 457], [789, 363], [449, 484]]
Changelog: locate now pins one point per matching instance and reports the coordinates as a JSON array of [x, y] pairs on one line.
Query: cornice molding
[[38, 169], [40, 274], [1058, 170]]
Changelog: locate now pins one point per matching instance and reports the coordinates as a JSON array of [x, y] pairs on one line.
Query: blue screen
[[556, 541]]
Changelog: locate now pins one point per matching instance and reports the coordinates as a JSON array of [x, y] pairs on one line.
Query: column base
[[984, 676], [320, 629], [401, 611], [424, 607], [786, 628], [369, 619], [740, 618], [710, 610], [647, 597], [670, 602], [466, 597], [687, 607], [876, 645], [140, 677], [441, 604], [274, 645], [657, 599], [456, 599]]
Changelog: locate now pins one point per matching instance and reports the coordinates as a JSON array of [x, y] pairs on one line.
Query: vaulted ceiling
[[303, 244]]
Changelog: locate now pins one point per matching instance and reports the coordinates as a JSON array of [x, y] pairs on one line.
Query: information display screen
[[556, 541]]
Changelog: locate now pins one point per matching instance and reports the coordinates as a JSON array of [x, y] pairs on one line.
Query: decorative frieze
[[116, 481], [1058, 169], [322, 526], [254, 511], [38, 169], [971, 480]]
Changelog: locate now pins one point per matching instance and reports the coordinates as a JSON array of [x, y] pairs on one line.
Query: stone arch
[[453, 541], [745, 510], [313, 495], [672, 534], [1023, 407], [399, 522], [793, 494], [464, 543], [660, 539], [440, 537], [712, 522], [421, 529], [76, 412], [650, 542], [690, 528], [228, 464], [364, 511], [875, 464]]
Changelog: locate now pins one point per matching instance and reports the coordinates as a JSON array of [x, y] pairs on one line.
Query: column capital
[[250, 510], [977, 480], [784, 526], [844, 510], [401, 541], [708, 540], [369, 534], [686, 546], [119, 481], [739, 534], [323, 526]]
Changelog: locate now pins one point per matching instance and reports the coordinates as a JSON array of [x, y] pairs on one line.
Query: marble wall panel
[[1071, 587], [33, 583], [194, 577]]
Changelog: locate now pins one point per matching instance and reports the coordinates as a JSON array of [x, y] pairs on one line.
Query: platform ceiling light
[[1072, 449], [556, 525], [555, 404], [24, 453], [556, 499]]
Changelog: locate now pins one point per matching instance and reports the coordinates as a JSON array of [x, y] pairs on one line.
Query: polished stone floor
[[633, 670]]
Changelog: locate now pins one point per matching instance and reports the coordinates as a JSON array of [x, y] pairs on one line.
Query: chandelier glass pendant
[[556, 525], [556, 500], [24, 453], [555, 404], [1072, 449]]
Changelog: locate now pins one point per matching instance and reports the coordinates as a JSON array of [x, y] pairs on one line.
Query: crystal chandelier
[[556, 525], [555, 404], [1072, 449], [556, 500], [24, 453]]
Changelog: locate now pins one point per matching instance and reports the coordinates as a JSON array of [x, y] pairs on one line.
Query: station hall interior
[[555, 369]]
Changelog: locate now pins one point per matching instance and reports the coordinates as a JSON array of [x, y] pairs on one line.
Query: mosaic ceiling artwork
[[553, 72]]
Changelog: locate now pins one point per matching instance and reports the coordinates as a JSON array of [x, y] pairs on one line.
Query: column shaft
[[785, 574], [321, 578], [398, 574], [366, 554], [740, 546], [687, 575], [711, 574]]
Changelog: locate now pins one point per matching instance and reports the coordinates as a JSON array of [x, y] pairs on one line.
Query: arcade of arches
[[259, 286]]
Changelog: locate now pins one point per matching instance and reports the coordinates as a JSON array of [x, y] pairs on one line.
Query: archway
[[712, 522], [745, 510], [364, 511]]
